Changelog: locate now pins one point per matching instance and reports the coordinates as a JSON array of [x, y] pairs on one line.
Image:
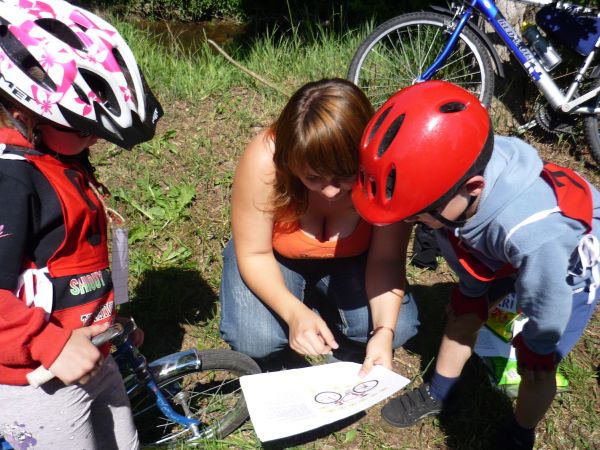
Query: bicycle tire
[[401, 49], [591, 126], [215, 394]]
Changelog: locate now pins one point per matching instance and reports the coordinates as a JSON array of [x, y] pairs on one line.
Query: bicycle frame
[[565, 102], [145, 375]]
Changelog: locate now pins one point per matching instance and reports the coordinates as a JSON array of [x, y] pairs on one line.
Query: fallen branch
[[245, 70]]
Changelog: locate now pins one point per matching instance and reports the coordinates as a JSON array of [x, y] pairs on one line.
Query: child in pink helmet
[[67, 78]]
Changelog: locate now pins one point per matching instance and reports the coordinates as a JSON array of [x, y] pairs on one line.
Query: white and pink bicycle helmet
[[91, 81]]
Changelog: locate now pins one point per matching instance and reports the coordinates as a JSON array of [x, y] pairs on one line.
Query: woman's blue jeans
[[335, 288]]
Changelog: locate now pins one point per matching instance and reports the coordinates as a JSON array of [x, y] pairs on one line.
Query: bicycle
[[360, 390], [449, 44], [189, 396]]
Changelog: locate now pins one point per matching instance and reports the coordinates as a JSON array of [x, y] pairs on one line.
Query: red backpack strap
[[573, 193], [475, 267]]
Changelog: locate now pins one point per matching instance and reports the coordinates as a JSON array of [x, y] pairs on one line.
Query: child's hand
[[137, 337], [531, 365], [79, 359]]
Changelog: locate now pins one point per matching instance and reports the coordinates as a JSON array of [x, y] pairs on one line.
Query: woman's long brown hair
[[321, 126]]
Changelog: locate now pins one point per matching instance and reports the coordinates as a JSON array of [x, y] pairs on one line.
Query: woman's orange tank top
[[290, 241]]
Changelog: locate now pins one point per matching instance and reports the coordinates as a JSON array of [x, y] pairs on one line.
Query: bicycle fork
[[454, 31], [171, 365]]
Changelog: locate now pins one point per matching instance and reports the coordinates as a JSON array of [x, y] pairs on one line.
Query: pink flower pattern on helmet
[[89, 78]]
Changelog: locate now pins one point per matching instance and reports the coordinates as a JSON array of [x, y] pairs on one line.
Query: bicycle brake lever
[[111, 332]]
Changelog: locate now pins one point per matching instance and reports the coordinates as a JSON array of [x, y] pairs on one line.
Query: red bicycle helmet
[[418, 150]]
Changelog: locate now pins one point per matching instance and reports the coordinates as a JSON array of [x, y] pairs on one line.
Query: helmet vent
[[452, 107], [107, 124], [119, 58], [390, 134], [373, 187], [84, 98], [378, 123], [81, 27], [390, 183], [101, 88], [21, 57], [62, 32]]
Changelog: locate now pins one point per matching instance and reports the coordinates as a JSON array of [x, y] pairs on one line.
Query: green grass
[[175, 191]]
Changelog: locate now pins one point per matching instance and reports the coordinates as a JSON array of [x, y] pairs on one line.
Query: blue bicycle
[[449, 44], [185, 397]]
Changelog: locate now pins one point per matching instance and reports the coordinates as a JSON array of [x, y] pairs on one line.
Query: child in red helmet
[[67, 78], [506, 222]]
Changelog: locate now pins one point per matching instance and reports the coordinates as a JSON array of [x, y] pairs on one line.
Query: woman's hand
[[309, 334], [379, 352]]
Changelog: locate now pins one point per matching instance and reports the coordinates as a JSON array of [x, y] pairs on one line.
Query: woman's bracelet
[[383, 327]]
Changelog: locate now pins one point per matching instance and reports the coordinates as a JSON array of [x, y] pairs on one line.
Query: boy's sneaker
[[409, 408]]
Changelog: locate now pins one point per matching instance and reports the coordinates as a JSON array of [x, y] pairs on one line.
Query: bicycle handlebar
[[42, 375]]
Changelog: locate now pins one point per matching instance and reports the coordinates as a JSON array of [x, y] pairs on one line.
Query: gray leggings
[[94, 416]]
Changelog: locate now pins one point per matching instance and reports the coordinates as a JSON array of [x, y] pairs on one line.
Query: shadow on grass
[[482, 410], [313, 435], [481, 407], [163, 302], [431, 303]]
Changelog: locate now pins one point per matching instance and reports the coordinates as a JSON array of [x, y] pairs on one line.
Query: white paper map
[[290, 402]]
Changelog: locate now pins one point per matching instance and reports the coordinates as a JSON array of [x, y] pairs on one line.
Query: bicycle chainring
[[552, 121]]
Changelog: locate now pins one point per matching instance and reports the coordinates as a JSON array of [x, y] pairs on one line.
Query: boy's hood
[[513, 168]]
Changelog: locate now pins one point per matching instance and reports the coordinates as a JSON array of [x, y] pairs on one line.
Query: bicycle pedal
[[526, 127]]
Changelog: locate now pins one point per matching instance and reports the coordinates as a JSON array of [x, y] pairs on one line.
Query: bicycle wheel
[[212, 393], [399, 50], [591, 126]]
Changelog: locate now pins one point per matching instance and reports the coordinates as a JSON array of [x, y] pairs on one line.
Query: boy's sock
[[440, 386]]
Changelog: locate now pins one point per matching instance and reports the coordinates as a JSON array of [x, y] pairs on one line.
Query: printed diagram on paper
[[290, 402], [347, 396]]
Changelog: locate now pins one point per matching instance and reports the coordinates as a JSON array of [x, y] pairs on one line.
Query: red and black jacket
[[54, 267]]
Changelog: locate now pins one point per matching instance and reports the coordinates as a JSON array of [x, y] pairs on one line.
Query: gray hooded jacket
[[543, 249]]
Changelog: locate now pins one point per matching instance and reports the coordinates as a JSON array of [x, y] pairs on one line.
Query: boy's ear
[[475, 185]]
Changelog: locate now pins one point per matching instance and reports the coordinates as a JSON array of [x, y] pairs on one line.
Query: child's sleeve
[[25, 336]]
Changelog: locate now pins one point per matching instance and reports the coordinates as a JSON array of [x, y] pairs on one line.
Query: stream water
[[191, 35]]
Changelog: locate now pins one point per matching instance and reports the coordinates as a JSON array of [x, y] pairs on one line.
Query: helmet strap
[[460, 221]]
